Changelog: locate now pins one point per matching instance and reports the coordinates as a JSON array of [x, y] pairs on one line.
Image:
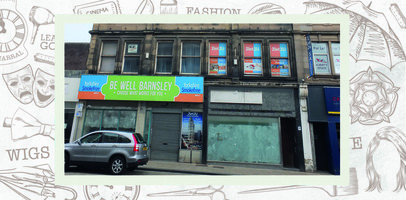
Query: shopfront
[[156, 107], [324, 116], [251, 125]]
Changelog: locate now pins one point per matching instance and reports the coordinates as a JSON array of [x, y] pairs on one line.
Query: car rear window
[[139, 138]]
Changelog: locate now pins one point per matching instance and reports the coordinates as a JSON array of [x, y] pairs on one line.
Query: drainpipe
[[310, 165]]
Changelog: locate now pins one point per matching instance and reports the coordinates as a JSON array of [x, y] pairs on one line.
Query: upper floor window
[[190, 63], [252, 58], [323, 65], [164, 57], [335, 49], [108, 56], [132, 57], [218, 58], [279, 60]]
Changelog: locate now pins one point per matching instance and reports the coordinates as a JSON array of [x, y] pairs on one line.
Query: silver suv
[[116, 150]]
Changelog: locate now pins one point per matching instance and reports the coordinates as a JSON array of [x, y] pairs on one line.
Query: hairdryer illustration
[[40, 16]]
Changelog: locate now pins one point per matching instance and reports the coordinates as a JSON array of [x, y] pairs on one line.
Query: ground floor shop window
[[244, 139], [104, 119]]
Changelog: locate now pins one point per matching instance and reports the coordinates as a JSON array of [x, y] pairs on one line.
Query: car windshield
[[139, 137]]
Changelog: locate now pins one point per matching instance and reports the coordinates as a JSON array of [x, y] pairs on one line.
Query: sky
[[77, 32]]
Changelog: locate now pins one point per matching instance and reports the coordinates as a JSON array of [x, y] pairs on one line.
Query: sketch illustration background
[[35, 47]]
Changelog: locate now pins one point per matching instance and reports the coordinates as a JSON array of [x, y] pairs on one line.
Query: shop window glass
[[190, 58], [122, 120], [127, 121], [110, 120], [108, 56], [218, 58], [321, 59], [92, 121], [132, 56], [280, 66], [164, 57], [243, 139], [252, 58]]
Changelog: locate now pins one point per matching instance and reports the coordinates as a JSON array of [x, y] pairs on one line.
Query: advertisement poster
[[336, 64], [252, 66], [218, 66], [321, 64], [279, 50], [280, 67], [319, 48], [252, 49], [141, 88], [336, 56], [218, 49], [192, 131], [132, 48]]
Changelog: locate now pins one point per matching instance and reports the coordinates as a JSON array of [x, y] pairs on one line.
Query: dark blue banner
[[310, 54], [332, 95]]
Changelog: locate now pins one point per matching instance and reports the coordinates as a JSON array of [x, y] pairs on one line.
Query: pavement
[[223, 169]]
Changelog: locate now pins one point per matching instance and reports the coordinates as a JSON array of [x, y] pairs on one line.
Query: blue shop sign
[[332, 95]]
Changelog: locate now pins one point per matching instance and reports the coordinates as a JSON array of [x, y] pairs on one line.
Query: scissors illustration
[[36, 182], [210, 191]]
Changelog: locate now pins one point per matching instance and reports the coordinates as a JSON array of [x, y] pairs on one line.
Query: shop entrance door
[[320, 130], [289, 144], [165, 136]]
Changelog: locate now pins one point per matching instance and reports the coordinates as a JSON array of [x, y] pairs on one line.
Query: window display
[[279, 60], [252, 59], [218, 59]]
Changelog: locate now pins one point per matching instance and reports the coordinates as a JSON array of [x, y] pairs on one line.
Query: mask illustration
[[44, 88], [20, 84]]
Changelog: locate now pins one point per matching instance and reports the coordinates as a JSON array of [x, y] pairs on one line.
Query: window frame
[[99, 64], [252, 40], [289, 57], [140, 55], [330, 56], [201, 44], [165, 56]]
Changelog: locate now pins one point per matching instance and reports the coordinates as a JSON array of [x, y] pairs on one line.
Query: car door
[[86, 148], [106, 148]]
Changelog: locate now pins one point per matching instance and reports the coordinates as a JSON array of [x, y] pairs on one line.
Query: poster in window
[[279, 50], [335, 48], [319, 48], [321, 64], [218, 49], [336, 64], [252, 49], [217, 66], [252, 66], [280, 67], [132, 48], [192, 131]]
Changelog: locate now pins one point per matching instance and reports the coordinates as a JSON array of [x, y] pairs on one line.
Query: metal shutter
[[165, 136]]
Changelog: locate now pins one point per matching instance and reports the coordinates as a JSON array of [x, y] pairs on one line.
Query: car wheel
[[66, 161], [117, 165]]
